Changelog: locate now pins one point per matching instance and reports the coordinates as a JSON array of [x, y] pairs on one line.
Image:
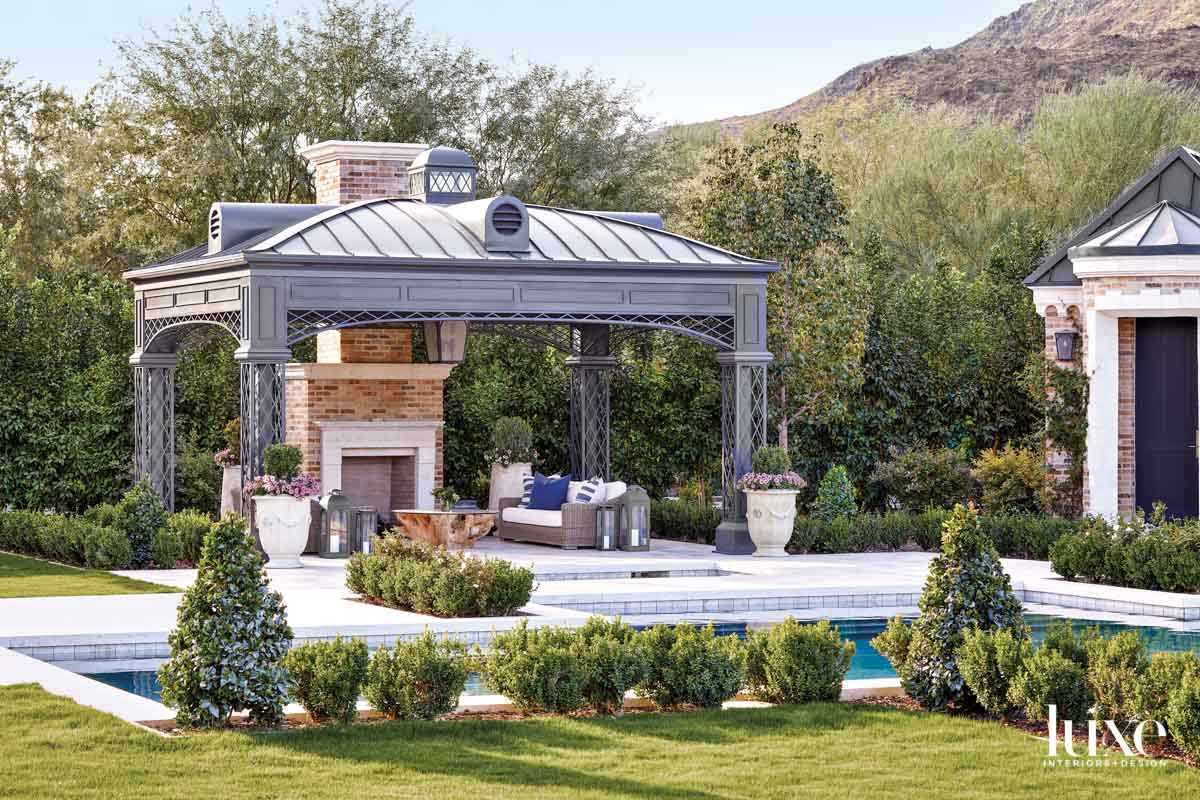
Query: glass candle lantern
[[634, 513], [362, 536], [335, 525], [606, 527]]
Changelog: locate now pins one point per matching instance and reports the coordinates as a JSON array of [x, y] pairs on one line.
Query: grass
[[31, 577], [58, 749]]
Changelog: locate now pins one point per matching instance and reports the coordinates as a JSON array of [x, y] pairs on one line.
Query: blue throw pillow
[[548, 494]]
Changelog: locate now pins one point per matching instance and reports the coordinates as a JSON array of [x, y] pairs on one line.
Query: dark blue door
[[1165, 408]]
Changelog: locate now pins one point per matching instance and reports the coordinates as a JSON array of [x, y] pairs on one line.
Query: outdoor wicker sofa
[[572, 526]]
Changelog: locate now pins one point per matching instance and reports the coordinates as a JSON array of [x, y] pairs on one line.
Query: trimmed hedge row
[[1014, 535], [1156, 554], [71, 540], [431, 580]]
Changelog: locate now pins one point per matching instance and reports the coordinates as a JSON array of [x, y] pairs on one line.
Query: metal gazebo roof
[[1164, 229]]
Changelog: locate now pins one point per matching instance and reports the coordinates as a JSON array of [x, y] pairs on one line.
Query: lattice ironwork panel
[[717, 330], [154, 429], [589, 443], [229, 320], [730, 496], [743, 429], [264, 415]]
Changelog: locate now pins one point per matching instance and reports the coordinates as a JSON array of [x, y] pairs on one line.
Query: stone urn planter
[[506, 482], [282, 528], [770, 515], [231, 490]]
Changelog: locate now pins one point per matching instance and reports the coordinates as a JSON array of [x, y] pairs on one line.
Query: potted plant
[[771, 491], [445, 498], [231, 473], [512, 456], [282, 506]]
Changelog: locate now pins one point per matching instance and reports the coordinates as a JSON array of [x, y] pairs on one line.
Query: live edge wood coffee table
[[457, 529]]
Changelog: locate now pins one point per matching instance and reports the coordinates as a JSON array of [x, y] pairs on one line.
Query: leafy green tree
[[774, 200]]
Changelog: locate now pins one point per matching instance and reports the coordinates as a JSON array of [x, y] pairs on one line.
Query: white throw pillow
[[591, 491]]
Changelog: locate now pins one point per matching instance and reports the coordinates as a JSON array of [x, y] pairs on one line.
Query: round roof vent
[[507, 219]]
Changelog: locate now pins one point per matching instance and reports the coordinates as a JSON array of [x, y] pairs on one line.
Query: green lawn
[[32, 577], [54, 748]]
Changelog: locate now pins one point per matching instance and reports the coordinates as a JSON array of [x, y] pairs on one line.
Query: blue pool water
[[867, 662]]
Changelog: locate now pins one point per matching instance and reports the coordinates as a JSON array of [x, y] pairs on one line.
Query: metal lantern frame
[[633, 514], [1064, 345], [336, 525], [365, 522], [606, 526]]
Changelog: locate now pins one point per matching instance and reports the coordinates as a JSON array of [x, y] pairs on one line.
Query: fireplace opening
[[385, 483]]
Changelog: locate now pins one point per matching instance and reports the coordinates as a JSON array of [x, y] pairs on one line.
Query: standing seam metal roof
[[1164, 228]]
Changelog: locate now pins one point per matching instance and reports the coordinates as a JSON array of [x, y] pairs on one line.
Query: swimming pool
[[867, 662]]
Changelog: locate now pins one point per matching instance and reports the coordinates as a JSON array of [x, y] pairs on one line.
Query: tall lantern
[[362, 539], [633, 509], [336, 525]]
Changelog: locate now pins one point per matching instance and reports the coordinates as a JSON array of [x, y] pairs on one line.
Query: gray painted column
[[591, 369], [743, 430], [263, 411], [154, 421]]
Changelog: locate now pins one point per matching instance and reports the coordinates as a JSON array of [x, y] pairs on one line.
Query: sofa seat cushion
[[533, 516]]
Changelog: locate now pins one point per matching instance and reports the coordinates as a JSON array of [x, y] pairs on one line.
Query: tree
[[773, 200]]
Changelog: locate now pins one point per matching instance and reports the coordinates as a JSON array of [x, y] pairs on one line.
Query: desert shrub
[[191, 526], [422, 679], [230, 637], [835, 496], [614, 662], [1183, 714], [167, 548], [926, 477], [107, 548], [282, 460], [432, 580], [1162, 675], [966, 588], [771, 460], [538, 669], [140, 515], [684, 521], [687, 665], [1061, 636], [1051, 678], [1114, 667], [327, 677], [989, 661], [1011, 480], [794, 663]]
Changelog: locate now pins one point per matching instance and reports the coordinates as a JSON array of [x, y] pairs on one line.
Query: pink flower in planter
[[268, 485], [766, 481]]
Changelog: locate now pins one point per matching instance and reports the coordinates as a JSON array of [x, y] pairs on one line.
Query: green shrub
[[282, 460], [1158, 554], [538, 670], [1050, 678], [230, 638], [924, 477], [1183, 715], [431, 580], [512, 442], [966, 588], [615, 664], [167, 548], [422, 679], [686, 665], [327, 677], [1114, 668], [20, 531], [1162, 675], [140, 515], [684, 521], [989, 662], [191, 526], [771, 460], [197, 477], [794, 663], [1060, 635], [1025, 535], [1011, 480], [104, 515], [835, 496], [107, 548]]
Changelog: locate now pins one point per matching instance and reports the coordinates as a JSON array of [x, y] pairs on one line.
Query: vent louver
[[507, 219], [214, 224]]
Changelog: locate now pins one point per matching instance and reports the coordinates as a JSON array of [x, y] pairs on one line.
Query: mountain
[[1004, 69]]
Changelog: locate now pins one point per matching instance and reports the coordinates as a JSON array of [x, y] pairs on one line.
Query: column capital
[[729, 358], [596, 362], [272, 355], [141, 358]]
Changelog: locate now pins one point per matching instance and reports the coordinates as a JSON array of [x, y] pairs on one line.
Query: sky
[[690, 60]]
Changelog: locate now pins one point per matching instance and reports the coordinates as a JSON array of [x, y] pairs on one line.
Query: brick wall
[[1126, 391], [1058, 463], [365, 346], [348, 180], [385, 483]]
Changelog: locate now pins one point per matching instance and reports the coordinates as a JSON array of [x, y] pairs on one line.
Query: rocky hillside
[[1007, 66]]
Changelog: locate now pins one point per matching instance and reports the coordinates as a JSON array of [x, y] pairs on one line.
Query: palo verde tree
[[773, 200]]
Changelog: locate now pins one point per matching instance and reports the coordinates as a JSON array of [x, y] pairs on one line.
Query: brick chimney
[[347, 172]]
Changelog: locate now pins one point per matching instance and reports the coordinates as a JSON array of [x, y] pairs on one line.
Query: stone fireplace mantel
[[346, 439]]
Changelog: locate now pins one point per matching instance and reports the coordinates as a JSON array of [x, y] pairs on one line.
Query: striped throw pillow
[[590, 491]]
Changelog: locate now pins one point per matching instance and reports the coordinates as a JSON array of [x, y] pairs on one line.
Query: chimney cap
[[442, 156], [332, 149]]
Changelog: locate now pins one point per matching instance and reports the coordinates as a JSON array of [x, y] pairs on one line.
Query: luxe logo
[[1068, 740]]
